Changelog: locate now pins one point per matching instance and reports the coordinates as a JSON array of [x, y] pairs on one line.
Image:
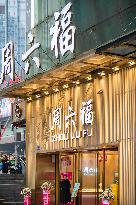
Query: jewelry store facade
[[81, 99], [84, 125], [87, 132]]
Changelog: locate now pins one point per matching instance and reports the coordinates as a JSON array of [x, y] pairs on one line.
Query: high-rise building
[[13, 28]]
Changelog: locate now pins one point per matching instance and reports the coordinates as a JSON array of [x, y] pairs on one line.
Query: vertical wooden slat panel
[[110, 108]]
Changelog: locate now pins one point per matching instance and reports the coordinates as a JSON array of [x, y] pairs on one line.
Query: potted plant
[[107, 196], [26, 191]]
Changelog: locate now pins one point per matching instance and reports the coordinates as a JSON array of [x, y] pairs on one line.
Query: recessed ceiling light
[[89, 78], [55, 89], [77, 82], [131, 63], [115, 68], [29, 98], [102, 73], [38, 96], [65, 86], [46, 92]]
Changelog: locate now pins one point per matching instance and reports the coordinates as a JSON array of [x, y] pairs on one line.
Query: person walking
[[5, 164], [65, 195]]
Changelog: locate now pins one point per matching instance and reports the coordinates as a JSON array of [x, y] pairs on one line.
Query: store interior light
[[131, 63]]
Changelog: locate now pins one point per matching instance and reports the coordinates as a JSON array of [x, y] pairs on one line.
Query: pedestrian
[[5, 164], [65, 195]]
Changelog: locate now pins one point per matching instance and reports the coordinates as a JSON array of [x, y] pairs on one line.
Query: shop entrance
[[94, 170], [68, 176]]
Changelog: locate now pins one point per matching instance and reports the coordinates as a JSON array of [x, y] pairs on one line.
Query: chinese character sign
[[72, 125], [70, 117], [56, 115], [87, 113], [8, 62], [25, 57], [62, 32]]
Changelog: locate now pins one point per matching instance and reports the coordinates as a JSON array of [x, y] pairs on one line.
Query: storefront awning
[[109, 58]]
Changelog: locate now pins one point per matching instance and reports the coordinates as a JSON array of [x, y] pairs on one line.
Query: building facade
[[80, 91], [98, 152]]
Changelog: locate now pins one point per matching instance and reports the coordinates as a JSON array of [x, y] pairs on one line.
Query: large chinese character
[[87, 113], [57, 117], [63, 32], [25, 57], [8, 62], [70, 117]]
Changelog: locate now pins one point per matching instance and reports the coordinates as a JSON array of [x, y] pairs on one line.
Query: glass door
[[112, 173], [88, 174], [67, 176], [108, 173], [98, 170], [45, 172]]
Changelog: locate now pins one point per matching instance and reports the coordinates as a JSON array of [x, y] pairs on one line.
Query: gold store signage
[[67, 127]]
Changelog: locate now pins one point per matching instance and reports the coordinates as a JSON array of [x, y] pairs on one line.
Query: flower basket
[[26, 191], [47, 186], [107, 196]]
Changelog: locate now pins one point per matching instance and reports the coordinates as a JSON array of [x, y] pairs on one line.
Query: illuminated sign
[[8, 62], [63, 32], [87, 113], [63, 40], [25, 57], [75, 135], [89, 171], [71, 131], [56, 116]]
